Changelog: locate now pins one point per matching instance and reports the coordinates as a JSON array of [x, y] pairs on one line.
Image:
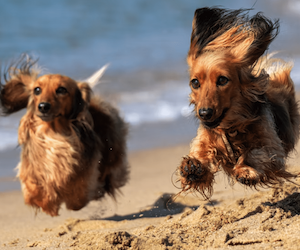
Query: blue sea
[[145, 43]]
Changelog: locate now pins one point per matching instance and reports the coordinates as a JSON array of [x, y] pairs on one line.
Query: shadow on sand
[[165, 205]]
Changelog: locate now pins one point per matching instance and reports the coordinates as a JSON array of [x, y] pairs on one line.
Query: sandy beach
[[146, 44], [146, 217]]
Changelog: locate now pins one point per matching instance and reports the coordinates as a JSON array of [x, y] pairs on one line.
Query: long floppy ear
[[218, 29], [86, 91], [264, 31], [81, 99], [78, 105], [18, 77], [208, 24], [247, 40]]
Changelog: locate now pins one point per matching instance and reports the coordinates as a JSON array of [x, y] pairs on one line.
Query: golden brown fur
[[249, 118], [73, 143]]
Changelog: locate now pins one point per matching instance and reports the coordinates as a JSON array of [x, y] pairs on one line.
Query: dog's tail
[[94, 80]]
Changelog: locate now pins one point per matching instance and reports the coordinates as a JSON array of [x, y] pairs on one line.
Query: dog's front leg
[[197, 169]]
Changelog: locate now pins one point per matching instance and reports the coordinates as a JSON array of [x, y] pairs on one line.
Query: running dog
[[245, 101], [73, 143]]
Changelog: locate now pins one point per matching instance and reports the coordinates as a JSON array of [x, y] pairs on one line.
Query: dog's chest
[[230, 145], [51, 154]]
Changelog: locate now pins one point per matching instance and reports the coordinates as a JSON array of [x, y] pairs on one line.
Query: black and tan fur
[[249, 117]]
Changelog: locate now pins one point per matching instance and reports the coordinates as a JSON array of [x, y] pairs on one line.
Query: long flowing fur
[[244, 100], [72, 152]]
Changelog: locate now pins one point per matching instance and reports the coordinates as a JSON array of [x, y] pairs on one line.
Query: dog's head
[[224, 48], [54, 96], [48, 97]]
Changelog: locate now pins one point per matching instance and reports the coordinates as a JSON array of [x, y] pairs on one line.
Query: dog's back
[[112, 130], [281, 97]]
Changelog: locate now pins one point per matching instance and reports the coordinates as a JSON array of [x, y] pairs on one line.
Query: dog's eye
[[222, 80], [195, 83], [37, 91], [61, 91]]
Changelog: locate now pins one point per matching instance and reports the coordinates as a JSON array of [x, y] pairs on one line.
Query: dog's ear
[[81, 99], [14, 96], [205, 26], [86, 91], [245, 38], [208, 24], [78, 104], [18, 78], [264, 32]]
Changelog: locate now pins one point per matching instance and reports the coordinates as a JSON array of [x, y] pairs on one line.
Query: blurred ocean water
[[144, 41]]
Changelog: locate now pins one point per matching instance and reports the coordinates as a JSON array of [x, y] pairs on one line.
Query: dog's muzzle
[[207, 114]]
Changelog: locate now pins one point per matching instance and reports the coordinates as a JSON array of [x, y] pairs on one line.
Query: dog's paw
[[191, 169], [247, 175], [194, 175]]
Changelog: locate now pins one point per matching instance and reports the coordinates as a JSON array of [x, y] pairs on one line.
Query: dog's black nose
[[44, 107], [205, 114]]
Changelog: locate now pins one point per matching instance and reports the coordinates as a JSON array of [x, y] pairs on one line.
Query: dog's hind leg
[[263, 160], [112, 131], [260, 167], [245, 174]]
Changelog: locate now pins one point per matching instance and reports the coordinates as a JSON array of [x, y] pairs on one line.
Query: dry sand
[[144, 216]]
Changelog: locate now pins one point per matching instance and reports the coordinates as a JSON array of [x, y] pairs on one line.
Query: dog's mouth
[[48, 117], [217, 121]]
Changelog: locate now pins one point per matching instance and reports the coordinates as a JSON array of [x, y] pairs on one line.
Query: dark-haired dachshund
[[249, 118]]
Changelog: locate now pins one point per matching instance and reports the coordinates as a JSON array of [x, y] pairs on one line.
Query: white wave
[[164, 104], [160, 105], [9, 130]]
